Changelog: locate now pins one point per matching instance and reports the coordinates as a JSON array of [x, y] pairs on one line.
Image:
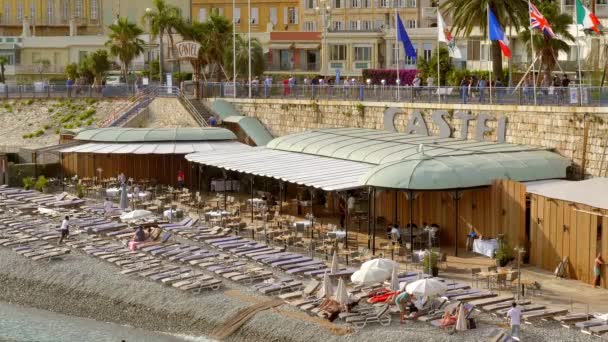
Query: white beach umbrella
[[135, 215], [341, 293], [370, 276], [334, 263], [426, 287], [461, 322], [326, 288], [384, 264], [47, 211], [395, 280]]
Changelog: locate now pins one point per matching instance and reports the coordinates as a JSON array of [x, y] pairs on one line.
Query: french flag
[[495, 32]]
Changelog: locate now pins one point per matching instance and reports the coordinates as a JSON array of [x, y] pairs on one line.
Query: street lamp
[[325, 11]]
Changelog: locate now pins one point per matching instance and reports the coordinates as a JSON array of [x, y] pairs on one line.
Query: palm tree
[[470, 14], [124, 43], [242, 57], [195, 31], [216, 41], [3, 62], [545, 47], [163, 18], [99, 64]]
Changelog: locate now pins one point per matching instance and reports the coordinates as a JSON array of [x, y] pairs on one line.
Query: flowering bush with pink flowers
[[376, 75]]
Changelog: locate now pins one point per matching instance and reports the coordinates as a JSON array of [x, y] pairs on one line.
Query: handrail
[[133, 102], [192, 109]]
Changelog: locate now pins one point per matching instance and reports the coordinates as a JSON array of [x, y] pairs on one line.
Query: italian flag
[[586, 18]]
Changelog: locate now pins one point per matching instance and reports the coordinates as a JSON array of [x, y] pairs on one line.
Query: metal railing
[[196, 114], [558, 96], [45, 90]]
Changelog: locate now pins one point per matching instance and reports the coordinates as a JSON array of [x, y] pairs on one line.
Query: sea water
[[19, 323]]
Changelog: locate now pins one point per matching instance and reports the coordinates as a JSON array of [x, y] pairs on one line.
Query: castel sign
[[417, 125], [187, 49]]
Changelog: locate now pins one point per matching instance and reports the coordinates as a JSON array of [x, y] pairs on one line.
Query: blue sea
[[19, 323]]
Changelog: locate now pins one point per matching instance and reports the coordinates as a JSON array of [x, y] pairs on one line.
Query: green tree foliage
[[430, 68], [99, 63], [242, 58], [3, 62], [162, 19], [71, 71], [124, 43]]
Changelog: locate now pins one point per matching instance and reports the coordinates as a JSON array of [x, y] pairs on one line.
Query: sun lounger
[[522, 308], [157, 271], [169, 274], [180, 223], [381, 316], [503, 305], [290, 261], [492, 300], [302, 269], [542, 313], [570, 319], [52, 254], [441, 323], [198, 286], [197, 278], [136, 268], [590, 323], [473, 296]]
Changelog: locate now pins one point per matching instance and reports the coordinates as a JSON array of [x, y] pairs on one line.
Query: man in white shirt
[[514, 317], [65, 230], [395, 234]]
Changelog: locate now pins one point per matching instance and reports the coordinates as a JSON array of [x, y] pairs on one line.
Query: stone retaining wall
[[579, 133]]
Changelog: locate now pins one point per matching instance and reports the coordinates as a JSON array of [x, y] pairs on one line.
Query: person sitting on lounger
[[65, 230], [402, 301], [140, 235]]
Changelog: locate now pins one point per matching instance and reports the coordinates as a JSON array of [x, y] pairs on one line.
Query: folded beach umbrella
[[370, 276], [124, 199], [326, 288], [341, 293], [384, 264], [334, 263], [461, 322], [135, 215], [395, 280], [426, 287]]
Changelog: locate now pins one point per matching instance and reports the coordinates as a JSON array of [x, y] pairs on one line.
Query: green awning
[[253, 128], [155, 134], [224, 109]]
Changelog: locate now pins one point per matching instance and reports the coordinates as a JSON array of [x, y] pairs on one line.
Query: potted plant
[[79, 190], [504, 254], [42, 184], [430, 263], [28, 182]]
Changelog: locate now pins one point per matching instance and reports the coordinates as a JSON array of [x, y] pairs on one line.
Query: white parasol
[[461, 322], [370, 276], [384, 264], [395, 280], [326, 289], [47, 211], [334, 263], [426, 287], [135, 215], [341, 293]]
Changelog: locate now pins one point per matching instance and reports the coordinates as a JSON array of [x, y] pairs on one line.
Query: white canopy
[[591, 192], [329, 174], [157, 147]]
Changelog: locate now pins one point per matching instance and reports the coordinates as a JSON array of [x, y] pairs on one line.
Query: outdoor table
[[142, 195], [257, 202], [346, 253], [215, 214], [169, 213], [491, 274], [112, 192], [337, 234], [485, 247]]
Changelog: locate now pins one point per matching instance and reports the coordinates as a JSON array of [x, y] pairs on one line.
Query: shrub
[[431, 257], [67, 118], [68, 126], [79, 190], [28, 182], [29, 102], [89, 122], [46, 127], [376, 75], [41, 184], [91, 101], [50, 110], [57, 130], [504, 253], [38, 133]]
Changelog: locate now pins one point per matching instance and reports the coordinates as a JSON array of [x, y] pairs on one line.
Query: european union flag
[[405, 39]]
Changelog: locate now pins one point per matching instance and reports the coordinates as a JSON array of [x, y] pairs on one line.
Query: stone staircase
[[202, 108]]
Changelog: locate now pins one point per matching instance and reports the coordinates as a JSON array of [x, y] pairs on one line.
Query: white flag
[[444, 35]]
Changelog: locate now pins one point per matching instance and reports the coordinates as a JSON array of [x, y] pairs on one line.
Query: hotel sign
[[187, 49], [417, 124]]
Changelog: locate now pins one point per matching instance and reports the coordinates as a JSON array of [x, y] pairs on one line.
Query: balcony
[[301, 67], [601, 10], [429, 12], [35, 69], [55, 22]]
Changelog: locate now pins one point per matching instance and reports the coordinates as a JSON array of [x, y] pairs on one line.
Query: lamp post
[[325, 11], [520, 251]]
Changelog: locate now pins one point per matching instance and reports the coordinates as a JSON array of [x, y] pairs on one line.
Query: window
[[337, 52], [217, 11], [363, 53], [337, 4], [367, 25], [94, 10], [255, 16], [473, 50], [7, 12], [50, 10], [409, 3], [64, 10], [385, 3], [379, 24], [20, 12], [82, 55], [10, 40], [273, 15], [428, 50], [236, 18], [56, 58], [353, 25], [411, 24], [400, 54], [78, 9], [337, 25], [202, 15], [292, 15], [309, 26], [310, 4], [366, 3], [355, 3], [32, 12]]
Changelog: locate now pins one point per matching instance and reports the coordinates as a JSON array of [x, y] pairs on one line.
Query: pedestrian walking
[[514, 318], [463, 90], [599, 261], [65, 229], [481, 88]]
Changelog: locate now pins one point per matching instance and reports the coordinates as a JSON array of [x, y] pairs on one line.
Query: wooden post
[[374, 231], [369, 217]]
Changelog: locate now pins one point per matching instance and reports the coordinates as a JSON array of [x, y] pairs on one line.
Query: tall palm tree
[[124, 42], [217, 41], [195, 31], [470, 14], [3, 62], [162, 18], [242, 57], [545, 47]]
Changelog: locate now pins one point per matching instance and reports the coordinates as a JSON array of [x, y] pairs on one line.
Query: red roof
[[295, 36]]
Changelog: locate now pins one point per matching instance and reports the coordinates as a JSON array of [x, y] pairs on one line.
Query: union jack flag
[[538, 21]]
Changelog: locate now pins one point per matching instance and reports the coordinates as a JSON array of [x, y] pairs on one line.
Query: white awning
[[280, 46], [592, 192], [307, 46], [157, 148], [329, 174]]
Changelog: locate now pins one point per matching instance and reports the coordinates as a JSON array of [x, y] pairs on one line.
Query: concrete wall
[[163, 112], [577, 133]]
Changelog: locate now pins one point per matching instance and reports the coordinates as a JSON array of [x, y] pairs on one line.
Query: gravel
[[86, 287]]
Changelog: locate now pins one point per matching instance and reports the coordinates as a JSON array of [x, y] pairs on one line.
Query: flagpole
[[397, 81], [533, 51], [438, 72], [578, 56], [233, 50], [489, 54], [249, 39]]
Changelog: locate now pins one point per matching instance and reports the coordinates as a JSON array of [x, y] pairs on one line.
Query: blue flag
[[405, 39]]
